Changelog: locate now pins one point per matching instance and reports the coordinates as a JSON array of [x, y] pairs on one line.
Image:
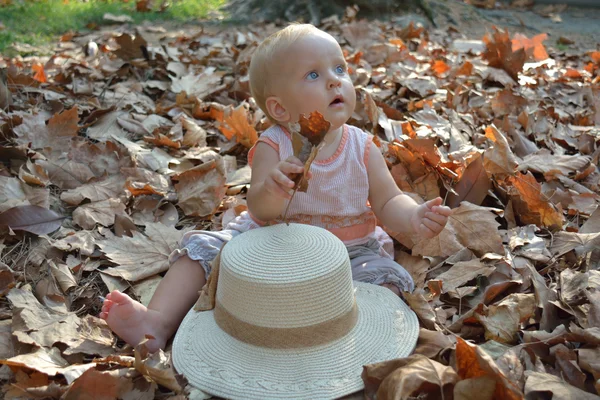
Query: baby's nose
[[335, 82]]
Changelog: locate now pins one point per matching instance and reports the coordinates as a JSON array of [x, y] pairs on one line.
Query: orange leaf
[[39, 75], [465, 70], [236, 124], [439, 68], [572, 73], [65, 123], [530, 204], [534, 49], [314, 128], [472, 362], [499, 54], [595, 56]]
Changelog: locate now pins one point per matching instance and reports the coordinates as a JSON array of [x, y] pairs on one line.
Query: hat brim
[[220, 365]]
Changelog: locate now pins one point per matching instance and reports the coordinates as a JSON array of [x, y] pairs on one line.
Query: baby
[[297, 70]]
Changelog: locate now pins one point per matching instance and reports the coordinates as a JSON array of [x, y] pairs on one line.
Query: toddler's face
[[312, 76]]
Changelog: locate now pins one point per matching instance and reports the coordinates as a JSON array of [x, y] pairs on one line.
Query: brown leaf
[[473, 185], [64, 124], [481, 388], [502, 321], [32, 219], [499, 161], [131, 47], [472, 362], [499, 54], [552, 165], [432, 344], [534, 49], [459, 233], [539, 384], [142, 255], [199, 84], [102, 385], [46, 361], [531, 205], [417, 302], [462, 272], [236, 123], [100, 212], [408, 377], [157, 367], [201, 189], [36, 324], [5, 94], [314, 128]]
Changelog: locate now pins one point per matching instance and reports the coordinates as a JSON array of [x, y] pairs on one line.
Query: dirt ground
[[580, 25]]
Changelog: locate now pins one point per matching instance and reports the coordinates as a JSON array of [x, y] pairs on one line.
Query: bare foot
[[132, 320]]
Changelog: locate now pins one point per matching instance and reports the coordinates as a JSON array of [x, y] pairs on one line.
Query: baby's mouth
[[337, 100]]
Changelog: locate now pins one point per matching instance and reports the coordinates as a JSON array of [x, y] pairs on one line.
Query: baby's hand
[[430, 218], [279, 181]]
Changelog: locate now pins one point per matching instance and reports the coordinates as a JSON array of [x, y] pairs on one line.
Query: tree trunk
[[313, 10]]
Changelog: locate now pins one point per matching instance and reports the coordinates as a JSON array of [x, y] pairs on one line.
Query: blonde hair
[[261, 63]]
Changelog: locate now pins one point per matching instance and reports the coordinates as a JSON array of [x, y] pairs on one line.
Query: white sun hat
[[289, 322]]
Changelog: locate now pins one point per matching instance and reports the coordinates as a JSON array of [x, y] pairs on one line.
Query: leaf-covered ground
[[123, 140]]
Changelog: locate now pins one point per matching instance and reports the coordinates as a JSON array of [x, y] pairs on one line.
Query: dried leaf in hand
[[469, 226], [32, 219], [314, 128]]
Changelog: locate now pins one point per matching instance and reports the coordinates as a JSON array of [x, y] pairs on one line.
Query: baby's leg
[[173, 298], [372, 268]]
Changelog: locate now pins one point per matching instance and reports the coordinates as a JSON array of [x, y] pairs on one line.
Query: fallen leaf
[[471, 362], [201, 189], [32, 219], [408, 377], [530, 204], [235, 123], [499, 53], [539, 383], [142, 255]]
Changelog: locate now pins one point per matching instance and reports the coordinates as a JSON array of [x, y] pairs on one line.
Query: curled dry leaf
[[32, 219], [156, 367], [201, 189], [499, 160], [499, 54], [472, 362], [407, 378], [530, 204]]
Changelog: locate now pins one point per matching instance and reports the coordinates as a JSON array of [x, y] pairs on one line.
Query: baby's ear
[[276, 109]]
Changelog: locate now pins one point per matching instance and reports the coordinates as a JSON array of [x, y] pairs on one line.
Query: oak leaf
[[142, 255]]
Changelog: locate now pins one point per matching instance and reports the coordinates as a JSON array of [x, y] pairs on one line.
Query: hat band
[[286, 338]]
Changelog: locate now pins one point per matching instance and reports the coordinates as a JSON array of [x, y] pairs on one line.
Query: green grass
[[39, 22]]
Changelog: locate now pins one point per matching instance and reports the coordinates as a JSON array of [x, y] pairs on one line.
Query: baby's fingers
[[276, 188], [443, 210], [289, 168], [438, 218]]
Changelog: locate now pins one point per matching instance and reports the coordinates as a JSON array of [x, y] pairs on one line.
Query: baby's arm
[[397, 211], [270, 183]]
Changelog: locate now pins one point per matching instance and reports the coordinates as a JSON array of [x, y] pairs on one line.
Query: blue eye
[[312, 75], [340, 69]]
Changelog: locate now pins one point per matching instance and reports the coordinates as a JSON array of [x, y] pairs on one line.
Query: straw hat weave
[[289, 322]]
